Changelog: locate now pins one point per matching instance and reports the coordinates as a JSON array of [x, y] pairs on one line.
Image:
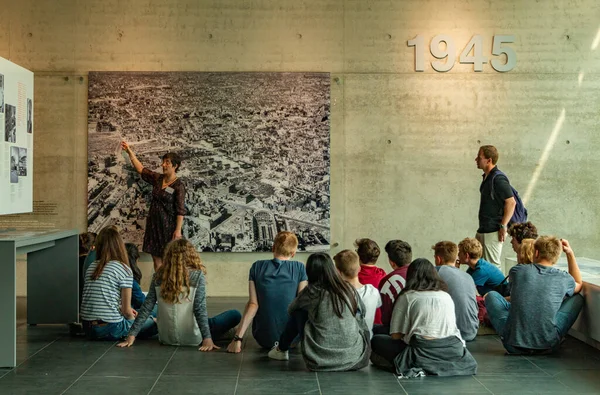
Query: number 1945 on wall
[[471, 54]]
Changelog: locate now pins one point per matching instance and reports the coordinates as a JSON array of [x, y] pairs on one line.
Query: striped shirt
[[102, 297]]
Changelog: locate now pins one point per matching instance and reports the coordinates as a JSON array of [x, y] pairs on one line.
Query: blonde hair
[[472, 247], [180, 256], [109, 247], [548, 248], [285, 244], [446, 250], [526, 251], [348, 263]]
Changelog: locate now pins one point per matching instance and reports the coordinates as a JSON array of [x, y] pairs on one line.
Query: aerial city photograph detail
[[255, 152]]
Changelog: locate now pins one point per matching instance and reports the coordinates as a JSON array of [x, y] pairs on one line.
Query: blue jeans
[[498, 309], [293, 329], [118, 330], [223, 322]]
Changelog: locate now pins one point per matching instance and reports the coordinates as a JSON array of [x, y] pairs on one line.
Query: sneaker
[[277, 354]]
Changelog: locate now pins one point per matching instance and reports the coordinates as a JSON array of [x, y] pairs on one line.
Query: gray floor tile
[[188, 361], [364, 382], [554, 364], [443, 385], [43, 385], [580, 381], [134, 361], [277, 386], [111, 385], [503, 365], [511, 385], [194, 385]]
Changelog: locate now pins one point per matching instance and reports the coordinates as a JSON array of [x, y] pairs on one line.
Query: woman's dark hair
[[422, 276], [133, 254], [323, 275], [174, 158]]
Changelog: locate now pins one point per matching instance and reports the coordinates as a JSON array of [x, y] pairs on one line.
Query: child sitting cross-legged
[[273, 284], [106, 311], [348, 264], [544, 302], [179, 287], [329, 317]]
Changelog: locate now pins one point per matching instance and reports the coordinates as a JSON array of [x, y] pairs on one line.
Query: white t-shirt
[[425, 313], [372, 300]]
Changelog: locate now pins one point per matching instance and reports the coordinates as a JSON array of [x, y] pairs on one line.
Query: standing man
[[496, 207]]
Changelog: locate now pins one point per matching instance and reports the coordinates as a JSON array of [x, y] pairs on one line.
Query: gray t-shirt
[[461, 288], [536, 295]]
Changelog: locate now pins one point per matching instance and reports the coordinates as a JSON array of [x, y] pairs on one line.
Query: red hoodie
[[371, 274]]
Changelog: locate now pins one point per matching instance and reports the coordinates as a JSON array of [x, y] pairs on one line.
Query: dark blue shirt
[[276, 284], [486, 276], [491, 206]]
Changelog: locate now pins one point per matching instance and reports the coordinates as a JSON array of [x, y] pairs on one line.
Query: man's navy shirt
[[491, 210]]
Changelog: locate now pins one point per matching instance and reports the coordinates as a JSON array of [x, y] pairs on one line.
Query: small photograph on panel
[[1, 93], [22, 162], [14, 165], [29, 116], [10, 124]]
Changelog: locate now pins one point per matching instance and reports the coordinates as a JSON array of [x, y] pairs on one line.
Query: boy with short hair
[[368, 253], [348, 264], [485, 275], [399, 257], [545, 301], [273, 285], [461, 288]]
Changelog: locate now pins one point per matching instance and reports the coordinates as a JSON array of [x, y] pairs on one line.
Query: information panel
[[16, 144]]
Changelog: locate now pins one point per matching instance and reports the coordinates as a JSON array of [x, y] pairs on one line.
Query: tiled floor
[[51, 362]]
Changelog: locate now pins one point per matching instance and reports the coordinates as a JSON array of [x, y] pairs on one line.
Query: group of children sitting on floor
[[346, 311]]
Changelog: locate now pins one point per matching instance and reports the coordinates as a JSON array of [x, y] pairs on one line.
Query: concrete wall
[[403, 143]]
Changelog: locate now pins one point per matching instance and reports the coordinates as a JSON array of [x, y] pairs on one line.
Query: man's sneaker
[[277, 354]]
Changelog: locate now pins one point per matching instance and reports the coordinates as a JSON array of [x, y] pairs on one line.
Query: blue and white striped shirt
[[102, 297]]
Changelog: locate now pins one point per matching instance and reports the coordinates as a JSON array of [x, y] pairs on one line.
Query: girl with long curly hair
[[179, 287]]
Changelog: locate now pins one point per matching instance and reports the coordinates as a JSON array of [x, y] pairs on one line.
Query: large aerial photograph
[[254, 148]]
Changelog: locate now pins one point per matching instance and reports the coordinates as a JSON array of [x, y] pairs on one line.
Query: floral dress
[[166, 204]]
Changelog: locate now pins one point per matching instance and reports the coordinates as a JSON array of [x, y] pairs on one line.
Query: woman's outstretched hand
[[125, 147]]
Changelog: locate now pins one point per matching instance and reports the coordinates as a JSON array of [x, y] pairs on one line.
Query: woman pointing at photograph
[[167, 208]]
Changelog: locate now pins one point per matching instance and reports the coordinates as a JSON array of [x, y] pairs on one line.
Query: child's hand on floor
[[128, 342], [208, 345]]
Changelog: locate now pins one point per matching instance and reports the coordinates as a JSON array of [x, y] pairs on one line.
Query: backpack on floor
[[520, 214]]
